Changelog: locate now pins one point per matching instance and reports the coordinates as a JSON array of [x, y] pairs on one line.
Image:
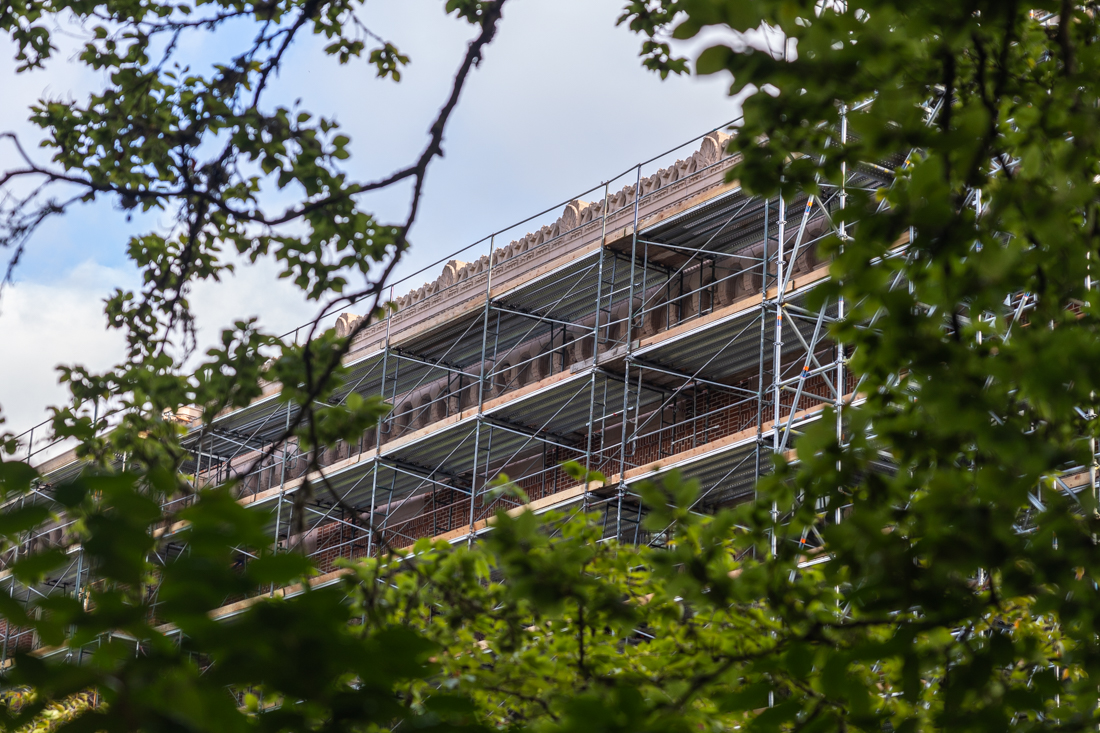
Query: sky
[[559, 105]]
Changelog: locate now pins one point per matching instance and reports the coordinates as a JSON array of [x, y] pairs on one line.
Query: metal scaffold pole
[[378, 432], [763, 342], [841, 376], [777, 348], [481, 389], [595, 350], [628, 330]]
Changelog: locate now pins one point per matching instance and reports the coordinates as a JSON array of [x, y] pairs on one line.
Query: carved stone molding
[[576, 214], [345, 322]]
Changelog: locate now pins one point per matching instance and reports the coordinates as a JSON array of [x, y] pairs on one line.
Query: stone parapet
[[578, 230]]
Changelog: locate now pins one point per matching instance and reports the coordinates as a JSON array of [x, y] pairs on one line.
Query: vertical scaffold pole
[[763, 340], [595, 350], [481, 387], [1092, 395], [378, 430], [777, 349], [7, 622], [198, 459], [76, 584], [282, 488], [841, 377], [629, 331]]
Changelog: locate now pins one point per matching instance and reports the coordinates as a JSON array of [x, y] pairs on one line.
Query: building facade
[[665, 325]]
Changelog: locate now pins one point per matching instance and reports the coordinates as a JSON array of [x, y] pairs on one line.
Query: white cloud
[[47, 324], [62, 322], [254, 290]]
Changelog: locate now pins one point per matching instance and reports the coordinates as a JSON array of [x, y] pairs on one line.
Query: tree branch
[[1065, 39]]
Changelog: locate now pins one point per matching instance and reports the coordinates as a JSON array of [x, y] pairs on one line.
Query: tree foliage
[[212, 150], [969, 568], [959, 592]]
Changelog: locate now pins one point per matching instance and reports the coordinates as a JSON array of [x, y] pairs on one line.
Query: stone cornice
[[580, 223]]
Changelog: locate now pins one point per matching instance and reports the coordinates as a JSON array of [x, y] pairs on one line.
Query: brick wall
[[699, 416]]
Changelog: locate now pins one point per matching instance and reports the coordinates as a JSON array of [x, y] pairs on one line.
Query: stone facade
[[579, 226]]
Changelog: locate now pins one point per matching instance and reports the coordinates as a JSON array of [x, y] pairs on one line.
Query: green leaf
[[31, 569], [688, 28], [15, 478], [712, 60], [279, 569], [16, 521], [751, 697]]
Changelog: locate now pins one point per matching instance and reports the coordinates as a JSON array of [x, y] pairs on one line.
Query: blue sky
[[559, 104]]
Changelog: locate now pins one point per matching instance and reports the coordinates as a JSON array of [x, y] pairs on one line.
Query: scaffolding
[[666, 326]]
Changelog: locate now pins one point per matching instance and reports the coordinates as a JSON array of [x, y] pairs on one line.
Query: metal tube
[[777, 347], [505, 309], [595, 353], [378, 433], [763, 340], [7, 622], [622, 451], [481, 385], [629, 331], [488, 458], [841, 377], [282, 488]]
